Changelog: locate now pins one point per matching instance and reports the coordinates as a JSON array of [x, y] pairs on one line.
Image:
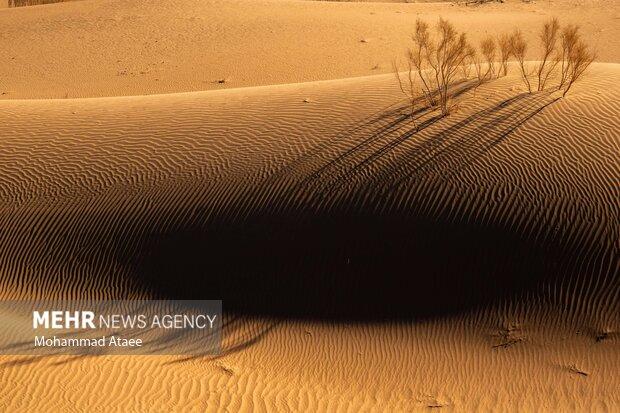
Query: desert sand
[[468, 264], [97, 48]]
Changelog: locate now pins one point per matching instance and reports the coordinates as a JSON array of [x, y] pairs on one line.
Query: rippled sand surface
[[366, 262]]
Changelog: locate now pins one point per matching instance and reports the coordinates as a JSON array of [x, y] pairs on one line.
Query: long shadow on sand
[[368, 226], [338, 243]]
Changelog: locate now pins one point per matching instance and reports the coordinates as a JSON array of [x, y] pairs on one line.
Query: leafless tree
[[569, 39], [488, 49], [444, 55], [419, 56], [451, 52], [468, 63], [518, 48], [548, 39], [575, 57], [503, 41], [579, 60], [474, 60]]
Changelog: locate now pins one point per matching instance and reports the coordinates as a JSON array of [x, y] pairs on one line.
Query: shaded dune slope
[[323, 200], [318, 200]]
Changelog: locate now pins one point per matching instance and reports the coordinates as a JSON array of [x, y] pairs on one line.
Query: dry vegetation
[[548, 39], [575, 57], [484, 64], [436, 59], [503, 43], [518, 49]]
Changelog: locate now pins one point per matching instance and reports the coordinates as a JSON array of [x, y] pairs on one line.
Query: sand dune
[[366, 262], [305, 366], [117, 47], [327, 205]]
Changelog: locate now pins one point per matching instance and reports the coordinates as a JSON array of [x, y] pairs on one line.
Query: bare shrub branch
[[483, 62], [487, 48], [575, 57], [451, 52], [468, 63], [548, 39], [518, 48], [503, 41], [419, 55], [407, 87], [570, 38], [579, 60], [437, 60], [444, 56], [479, 66]]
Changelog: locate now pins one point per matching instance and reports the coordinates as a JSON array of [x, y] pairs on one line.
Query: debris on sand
[[573, 369]]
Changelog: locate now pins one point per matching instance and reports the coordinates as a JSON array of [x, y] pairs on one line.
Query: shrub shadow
[[344, 252]]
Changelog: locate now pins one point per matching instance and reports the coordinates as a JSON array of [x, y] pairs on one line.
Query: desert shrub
[[569, 40], [469, 62], [503, 42], [419, 55], [433, 64], [475, 61], [518, 48], [437, 59], [575, 57], [548, 39], [407, 87], [487, 50]]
